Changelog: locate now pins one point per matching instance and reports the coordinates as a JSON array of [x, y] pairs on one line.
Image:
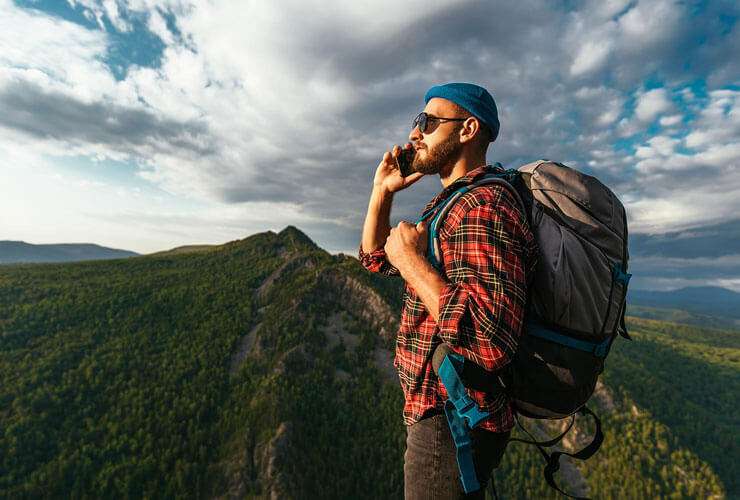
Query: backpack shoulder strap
[[437, 216]]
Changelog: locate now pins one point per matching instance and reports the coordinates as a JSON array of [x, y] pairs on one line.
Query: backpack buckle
[[468, 409]]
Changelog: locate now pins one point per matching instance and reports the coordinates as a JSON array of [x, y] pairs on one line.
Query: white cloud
[[669, 121], [605, 10], [658, 146], [291, 104], [628, 127], [158, 26], [97, 10], [668, 284], [600, 106], [650, 22], [652, 103], [685, 188], [718, 122], [590, 57], [58, 55]]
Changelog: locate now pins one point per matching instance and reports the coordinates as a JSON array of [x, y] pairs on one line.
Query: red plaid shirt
[[488, 252]]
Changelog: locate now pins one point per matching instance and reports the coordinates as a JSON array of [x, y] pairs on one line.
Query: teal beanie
[[473, 98]]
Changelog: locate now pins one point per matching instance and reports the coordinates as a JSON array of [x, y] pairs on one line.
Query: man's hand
[[405, 249], [406, 244], [387, 175]]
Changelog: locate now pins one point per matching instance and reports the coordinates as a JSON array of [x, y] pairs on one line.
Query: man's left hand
[[406, 244]]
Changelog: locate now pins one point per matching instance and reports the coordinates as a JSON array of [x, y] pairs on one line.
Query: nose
[[415, 135]]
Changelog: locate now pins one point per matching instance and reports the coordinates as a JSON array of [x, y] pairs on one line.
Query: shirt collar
[[468, 178]]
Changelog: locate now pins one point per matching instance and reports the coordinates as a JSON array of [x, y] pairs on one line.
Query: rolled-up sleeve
[[482, 305], [377, 262]]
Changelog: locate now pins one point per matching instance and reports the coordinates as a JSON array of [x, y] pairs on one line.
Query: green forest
[[259, 368]]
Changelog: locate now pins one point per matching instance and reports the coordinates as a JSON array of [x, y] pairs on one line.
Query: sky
[[146, 124]]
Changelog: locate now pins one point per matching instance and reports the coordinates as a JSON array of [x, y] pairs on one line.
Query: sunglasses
[[422, 121]]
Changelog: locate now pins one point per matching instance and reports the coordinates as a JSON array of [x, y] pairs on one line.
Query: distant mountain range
[[20, 251], [710, 301]]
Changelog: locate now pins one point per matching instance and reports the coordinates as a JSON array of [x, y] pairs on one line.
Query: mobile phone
[[404, 161]]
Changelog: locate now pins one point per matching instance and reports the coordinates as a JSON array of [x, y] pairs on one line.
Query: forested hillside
[[263, 368]]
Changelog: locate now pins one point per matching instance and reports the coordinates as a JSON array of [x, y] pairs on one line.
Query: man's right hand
[[388, 176]]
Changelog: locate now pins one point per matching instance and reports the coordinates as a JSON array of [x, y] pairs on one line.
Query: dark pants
[[430, 464]]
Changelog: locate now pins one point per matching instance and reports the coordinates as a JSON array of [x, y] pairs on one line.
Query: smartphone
[[404, 161]]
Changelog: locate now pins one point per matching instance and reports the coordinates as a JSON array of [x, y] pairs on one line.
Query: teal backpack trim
[[599, 349], [462, 414], [620, 275], [441, 209]]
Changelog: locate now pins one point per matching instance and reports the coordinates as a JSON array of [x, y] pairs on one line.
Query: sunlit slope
[[687, 379]]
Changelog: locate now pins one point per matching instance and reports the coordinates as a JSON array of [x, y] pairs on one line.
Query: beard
[[443, 154]]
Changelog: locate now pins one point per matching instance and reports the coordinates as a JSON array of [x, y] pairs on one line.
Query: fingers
[[415, 176], [389, 157], [395, 151]]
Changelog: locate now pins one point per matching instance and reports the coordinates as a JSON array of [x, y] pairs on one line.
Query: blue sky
[[148, 124]]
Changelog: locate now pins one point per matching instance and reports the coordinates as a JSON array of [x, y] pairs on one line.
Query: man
[[477, 304]]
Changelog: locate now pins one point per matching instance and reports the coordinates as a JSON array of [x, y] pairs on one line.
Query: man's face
[[439, 146]]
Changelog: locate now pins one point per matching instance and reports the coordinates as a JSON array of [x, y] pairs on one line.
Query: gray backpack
[[576, 301], [578, 294]]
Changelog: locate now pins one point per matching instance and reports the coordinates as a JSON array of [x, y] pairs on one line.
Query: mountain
[[683, 317], [20, 251], [185, 249], [262, 368], [705, 302]]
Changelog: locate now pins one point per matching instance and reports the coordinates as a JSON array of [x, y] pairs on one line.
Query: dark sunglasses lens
[[421, 122]]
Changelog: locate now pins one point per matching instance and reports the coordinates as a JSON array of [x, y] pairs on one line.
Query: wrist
[[382, 191], [413, 263]]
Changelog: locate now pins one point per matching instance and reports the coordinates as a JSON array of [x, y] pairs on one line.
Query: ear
[[469, 129]]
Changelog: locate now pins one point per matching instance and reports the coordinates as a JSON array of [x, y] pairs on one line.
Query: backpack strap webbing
[[552, 460], [549, 442], [462, 414], [440, 210]]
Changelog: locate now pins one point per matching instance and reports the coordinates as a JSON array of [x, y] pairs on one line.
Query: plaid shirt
[[488, 252]]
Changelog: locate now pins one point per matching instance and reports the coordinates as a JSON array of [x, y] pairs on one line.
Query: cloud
[[667, 284], [651, 23], [706, 241], [651, 104], [55, 116], [54, 52], [591, 56], [293, 103], [669, 121], [697, 268], [718, 122]]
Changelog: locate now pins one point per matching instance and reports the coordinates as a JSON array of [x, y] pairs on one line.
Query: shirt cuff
[[377, 262], [380, 252]]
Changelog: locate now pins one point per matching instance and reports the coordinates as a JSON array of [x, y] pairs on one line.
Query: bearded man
[[475, 305]]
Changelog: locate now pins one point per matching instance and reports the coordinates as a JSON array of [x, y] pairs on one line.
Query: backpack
[[575, 308]]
